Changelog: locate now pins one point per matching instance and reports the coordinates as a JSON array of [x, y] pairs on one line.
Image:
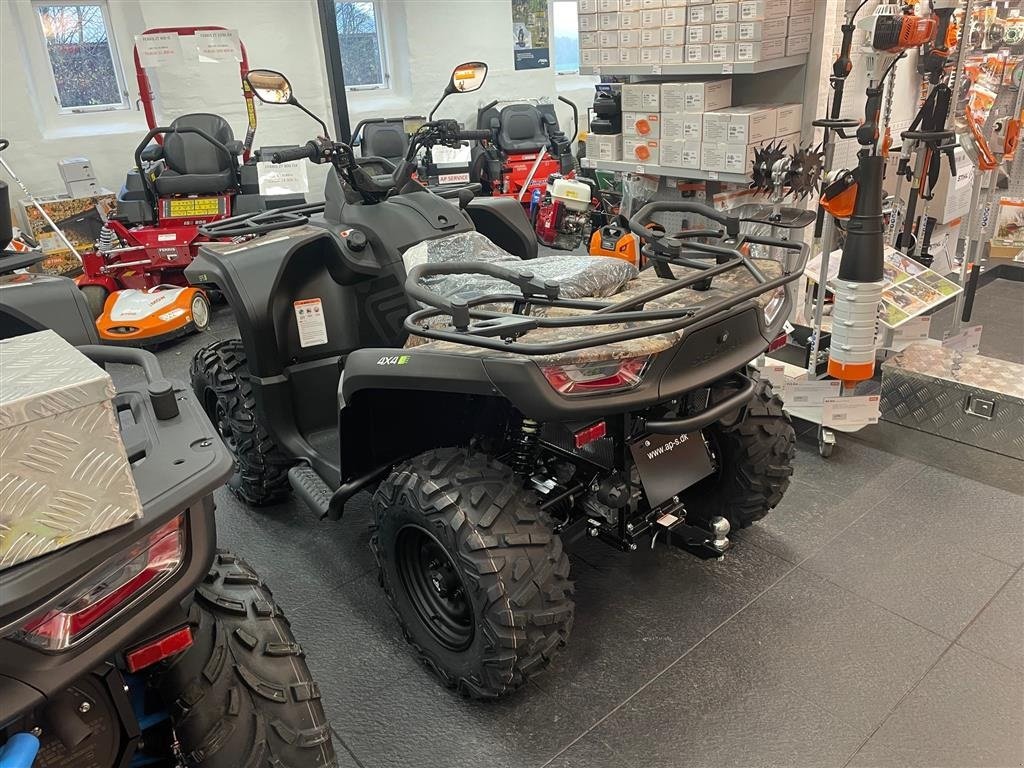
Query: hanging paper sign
[[283, 178], [530, 34], [158, 50], [218, 45]]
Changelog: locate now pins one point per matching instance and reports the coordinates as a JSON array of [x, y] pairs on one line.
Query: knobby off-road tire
[[510, 568], [220, 379], [242, 695], [754, 447]]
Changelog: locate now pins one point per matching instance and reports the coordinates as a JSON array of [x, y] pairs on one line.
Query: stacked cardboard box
[[694, 125], [732, 135], [657, 32]]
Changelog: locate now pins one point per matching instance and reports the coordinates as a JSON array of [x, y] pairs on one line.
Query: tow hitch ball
[[671, 526]]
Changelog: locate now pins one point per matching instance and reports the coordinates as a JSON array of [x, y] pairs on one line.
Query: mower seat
[[385, 139], [578, 275], [521, 127], [194, 166]]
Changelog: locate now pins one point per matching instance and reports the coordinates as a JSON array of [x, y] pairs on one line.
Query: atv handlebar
[[639, 228], [476, 135], [308, 151]]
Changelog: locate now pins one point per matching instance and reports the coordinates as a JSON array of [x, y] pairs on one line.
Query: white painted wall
[[427, 38]]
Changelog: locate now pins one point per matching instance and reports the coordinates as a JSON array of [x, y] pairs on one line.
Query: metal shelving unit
[[711, 68], [666, 171]]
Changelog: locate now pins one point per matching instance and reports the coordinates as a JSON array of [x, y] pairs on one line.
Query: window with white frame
[[362, 41], [84, 64], [566, 37]]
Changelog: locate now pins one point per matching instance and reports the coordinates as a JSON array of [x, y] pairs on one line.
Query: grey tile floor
[[876, 618]]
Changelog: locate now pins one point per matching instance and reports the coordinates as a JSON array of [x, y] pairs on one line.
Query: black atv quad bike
[[490, 405], [144, 645]]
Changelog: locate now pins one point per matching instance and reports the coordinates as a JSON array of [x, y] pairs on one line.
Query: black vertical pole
[[335, 71]]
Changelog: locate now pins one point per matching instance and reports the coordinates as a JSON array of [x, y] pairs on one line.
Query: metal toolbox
[[64, 473], [971, 399]]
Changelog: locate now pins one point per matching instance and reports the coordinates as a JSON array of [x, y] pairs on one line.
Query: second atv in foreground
[[493, 405]]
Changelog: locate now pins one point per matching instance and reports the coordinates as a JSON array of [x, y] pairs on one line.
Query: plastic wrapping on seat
[[577, 275]]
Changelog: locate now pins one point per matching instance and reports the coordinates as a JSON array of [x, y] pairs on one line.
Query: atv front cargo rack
[[466, 321]]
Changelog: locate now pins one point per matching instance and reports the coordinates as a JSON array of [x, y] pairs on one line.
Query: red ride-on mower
[[529, 158], [190, 175]]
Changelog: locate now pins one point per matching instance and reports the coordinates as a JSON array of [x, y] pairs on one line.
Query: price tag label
[[283, 178], [850, 411], [914, 330], [712, 175], [775, 375], [967, 341], [158, 49], [727, 69], [640, 169], [655, 69], [809, 394]]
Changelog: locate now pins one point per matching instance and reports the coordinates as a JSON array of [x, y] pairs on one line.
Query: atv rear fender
[[405, 396]]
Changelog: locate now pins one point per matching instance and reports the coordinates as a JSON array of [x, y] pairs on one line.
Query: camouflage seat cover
[[578, 275]]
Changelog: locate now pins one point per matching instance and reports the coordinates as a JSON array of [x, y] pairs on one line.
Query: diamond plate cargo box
[[64, 473], [967, 398]]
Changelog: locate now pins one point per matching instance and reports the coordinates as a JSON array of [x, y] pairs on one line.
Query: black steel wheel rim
[[435, 587]]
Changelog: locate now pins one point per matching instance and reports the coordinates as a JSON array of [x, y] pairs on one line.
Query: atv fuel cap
[[355, 240]]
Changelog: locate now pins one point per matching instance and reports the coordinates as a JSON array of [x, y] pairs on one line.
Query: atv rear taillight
[[597, 377], [100, 594]]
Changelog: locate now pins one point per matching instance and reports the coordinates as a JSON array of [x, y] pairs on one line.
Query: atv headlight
[[597, 377]]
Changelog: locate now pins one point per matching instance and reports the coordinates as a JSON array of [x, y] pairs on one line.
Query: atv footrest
[[311, 488]]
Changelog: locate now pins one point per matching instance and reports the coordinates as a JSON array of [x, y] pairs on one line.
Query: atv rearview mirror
[[271, 87], [466, 78]]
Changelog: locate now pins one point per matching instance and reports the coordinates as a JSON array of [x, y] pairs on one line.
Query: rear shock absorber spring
[[524, 451], [107, 240]]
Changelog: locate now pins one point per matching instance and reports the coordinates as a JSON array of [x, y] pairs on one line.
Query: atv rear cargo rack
[[472, 325]]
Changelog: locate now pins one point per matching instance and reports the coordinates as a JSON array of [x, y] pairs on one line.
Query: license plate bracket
[[669, 464]]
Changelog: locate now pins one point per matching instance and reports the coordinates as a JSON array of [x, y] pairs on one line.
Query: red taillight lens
[[589, 434], [109, 588], [597, 377], [157, 650]]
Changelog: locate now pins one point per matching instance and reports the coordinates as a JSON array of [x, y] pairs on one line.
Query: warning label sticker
[[309, 317]]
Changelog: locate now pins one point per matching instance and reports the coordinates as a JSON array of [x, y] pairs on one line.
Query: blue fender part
[[19, 752]]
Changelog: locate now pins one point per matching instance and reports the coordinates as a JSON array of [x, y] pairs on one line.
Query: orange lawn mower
[[186, 174]]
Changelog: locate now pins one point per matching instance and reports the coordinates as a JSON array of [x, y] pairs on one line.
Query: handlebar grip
[[4, 144], [308, 151], [473, 135], [636, 222]]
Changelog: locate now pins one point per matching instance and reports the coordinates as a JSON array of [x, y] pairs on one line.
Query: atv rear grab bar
[[637, 220], [161, 391], [475, 326], [458, 308], [705, 417]]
